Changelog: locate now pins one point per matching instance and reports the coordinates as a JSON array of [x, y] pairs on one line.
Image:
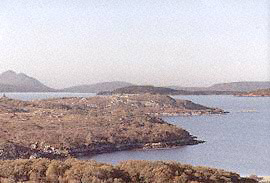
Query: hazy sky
[[161, 42]]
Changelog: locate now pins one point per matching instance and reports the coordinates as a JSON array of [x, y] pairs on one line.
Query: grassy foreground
[[78, 171]]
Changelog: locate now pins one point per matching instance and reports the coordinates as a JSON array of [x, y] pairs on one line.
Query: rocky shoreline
[[92, 151], [10, 151]]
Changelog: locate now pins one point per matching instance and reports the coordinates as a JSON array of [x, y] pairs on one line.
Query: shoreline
[[252, 95], [137, 147], [11, 151]]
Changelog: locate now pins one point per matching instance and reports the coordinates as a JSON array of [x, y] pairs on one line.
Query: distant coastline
[[11, 81], [161, 91], [257, 93]]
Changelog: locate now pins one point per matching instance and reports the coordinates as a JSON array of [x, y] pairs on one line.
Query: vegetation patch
[[76, 171]]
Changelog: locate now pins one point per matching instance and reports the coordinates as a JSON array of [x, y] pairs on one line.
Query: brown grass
[[77, 171]]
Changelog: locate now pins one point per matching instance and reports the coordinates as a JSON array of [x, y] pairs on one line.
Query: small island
[[59, 128]]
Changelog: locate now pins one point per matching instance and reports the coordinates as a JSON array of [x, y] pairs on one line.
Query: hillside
[[75, 171], [160, 91], [57, 128], [98, 87], [257, 93], [8, 88], [10, 81], [234, 86]]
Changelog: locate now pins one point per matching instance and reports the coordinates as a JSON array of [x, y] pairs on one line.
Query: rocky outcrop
[[10, 150]]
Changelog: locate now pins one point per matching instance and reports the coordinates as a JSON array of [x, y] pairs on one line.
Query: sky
[[161, 42]]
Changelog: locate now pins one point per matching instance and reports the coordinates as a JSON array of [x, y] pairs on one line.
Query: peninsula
[[57, 128]]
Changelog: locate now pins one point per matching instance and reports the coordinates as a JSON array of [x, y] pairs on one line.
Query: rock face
[[86, 126], [10, 81]]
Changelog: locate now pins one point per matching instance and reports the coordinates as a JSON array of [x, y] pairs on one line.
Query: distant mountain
[[159, 90], [234, 86], [8, 88], [10, 81], [98, 87]]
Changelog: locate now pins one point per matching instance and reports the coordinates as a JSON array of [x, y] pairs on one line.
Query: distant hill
[[98, 87], [159, 90], [256, 93], [241, 86], [142, 90], [234, 86], [10, 81], [189, 88]]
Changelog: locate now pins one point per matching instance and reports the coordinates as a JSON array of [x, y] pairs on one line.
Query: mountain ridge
[[11, 81]]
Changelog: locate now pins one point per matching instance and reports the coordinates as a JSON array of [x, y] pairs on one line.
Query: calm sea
[[238, 141]]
